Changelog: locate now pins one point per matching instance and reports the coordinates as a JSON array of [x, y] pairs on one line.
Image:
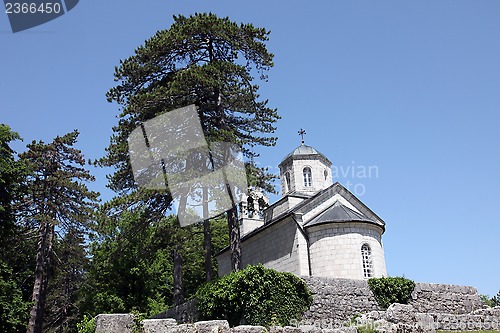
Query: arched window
[[366, 254], [287, 181], [307, 177]]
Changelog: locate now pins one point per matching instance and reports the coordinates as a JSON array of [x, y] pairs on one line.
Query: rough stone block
[[183, 328], [425, 323], [400, 313], [309, 329], [248, 329], [291, 329], [114, 323], [158, 325], [212, 326]]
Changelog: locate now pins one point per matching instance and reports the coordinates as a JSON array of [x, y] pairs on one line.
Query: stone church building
[[316, 229]]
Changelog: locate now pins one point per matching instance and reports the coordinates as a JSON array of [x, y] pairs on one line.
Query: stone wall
[[184, 313], [445, 298], [342, 298], [398, 318], [339, 298]]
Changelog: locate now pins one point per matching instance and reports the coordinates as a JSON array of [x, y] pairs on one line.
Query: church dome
[[302, 151]]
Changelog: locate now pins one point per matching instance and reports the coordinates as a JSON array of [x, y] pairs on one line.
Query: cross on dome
[[301, 133]]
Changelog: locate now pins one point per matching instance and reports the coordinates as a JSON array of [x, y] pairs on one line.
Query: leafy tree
[[203, 60], [9, 174], [15, 250], [132, 266], [56, 195], [13, 308]]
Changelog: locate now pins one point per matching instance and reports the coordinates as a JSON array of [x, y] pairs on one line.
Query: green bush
[[388, 290], [254, 296], [87, 325], [485, 299]]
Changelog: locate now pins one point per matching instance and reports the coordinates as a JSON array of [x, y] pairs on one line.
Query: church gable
[[325, 199]]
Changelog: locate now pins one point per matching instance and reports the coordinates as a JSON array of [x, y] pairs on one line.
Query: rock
[[114, 323], [425, 323], [212, 326], [248, 329], [400, 313], [158, 325], [182, 328]]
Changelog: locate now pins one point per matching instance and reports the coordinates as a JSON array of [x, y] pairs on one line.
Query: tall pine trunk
[[45, 240], [207, 245], [178, 288], [207, 238]]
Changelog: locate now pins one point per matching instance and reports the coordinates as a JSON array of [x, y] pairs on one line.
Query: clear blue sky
[[410, 87]]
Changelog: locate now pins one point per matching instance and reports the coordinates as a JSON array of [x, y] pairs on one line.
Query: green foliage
[[487, 300], [16, 252], [388, 290], [63, 295], [13, 309], [366, 328], [131, 267], [9, 174], [56, 193], [255, 296], [86, 325], [495, 301], [203, 60]]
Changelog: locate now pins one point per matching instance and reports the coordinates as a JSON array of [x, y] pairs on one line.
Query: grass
[[468, 331]]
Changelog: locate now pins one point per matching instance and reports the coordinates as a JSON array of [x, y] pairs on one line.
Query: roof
[[304, 150], [338, 213]]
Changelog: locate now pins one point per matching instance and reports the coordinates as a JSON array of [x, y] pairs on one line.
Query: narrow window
[[287, 181], [366, 254], [307, 177]]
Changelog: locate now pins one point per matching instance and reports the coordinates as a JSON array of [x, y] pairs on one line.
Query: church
[[317, 228]]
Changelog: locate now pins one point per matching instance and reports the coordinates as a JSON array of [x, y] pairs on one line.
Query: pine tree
[[66, 280], [56, 196], [496, 300], [203, 60]]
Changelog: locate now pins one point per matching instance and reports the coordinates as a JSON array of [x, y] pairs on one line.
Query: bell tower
[[252, 206], [305, 170]]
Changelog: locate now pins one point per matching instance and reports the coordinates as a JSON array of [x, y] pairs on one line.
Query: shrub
[[485, 299], [87, 325], [388, 290], [255, 296]]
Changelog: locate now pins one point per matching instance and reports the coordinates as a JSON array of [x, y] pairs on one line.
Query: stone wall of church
[[335, 250], [341, 299], [277, 249]]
